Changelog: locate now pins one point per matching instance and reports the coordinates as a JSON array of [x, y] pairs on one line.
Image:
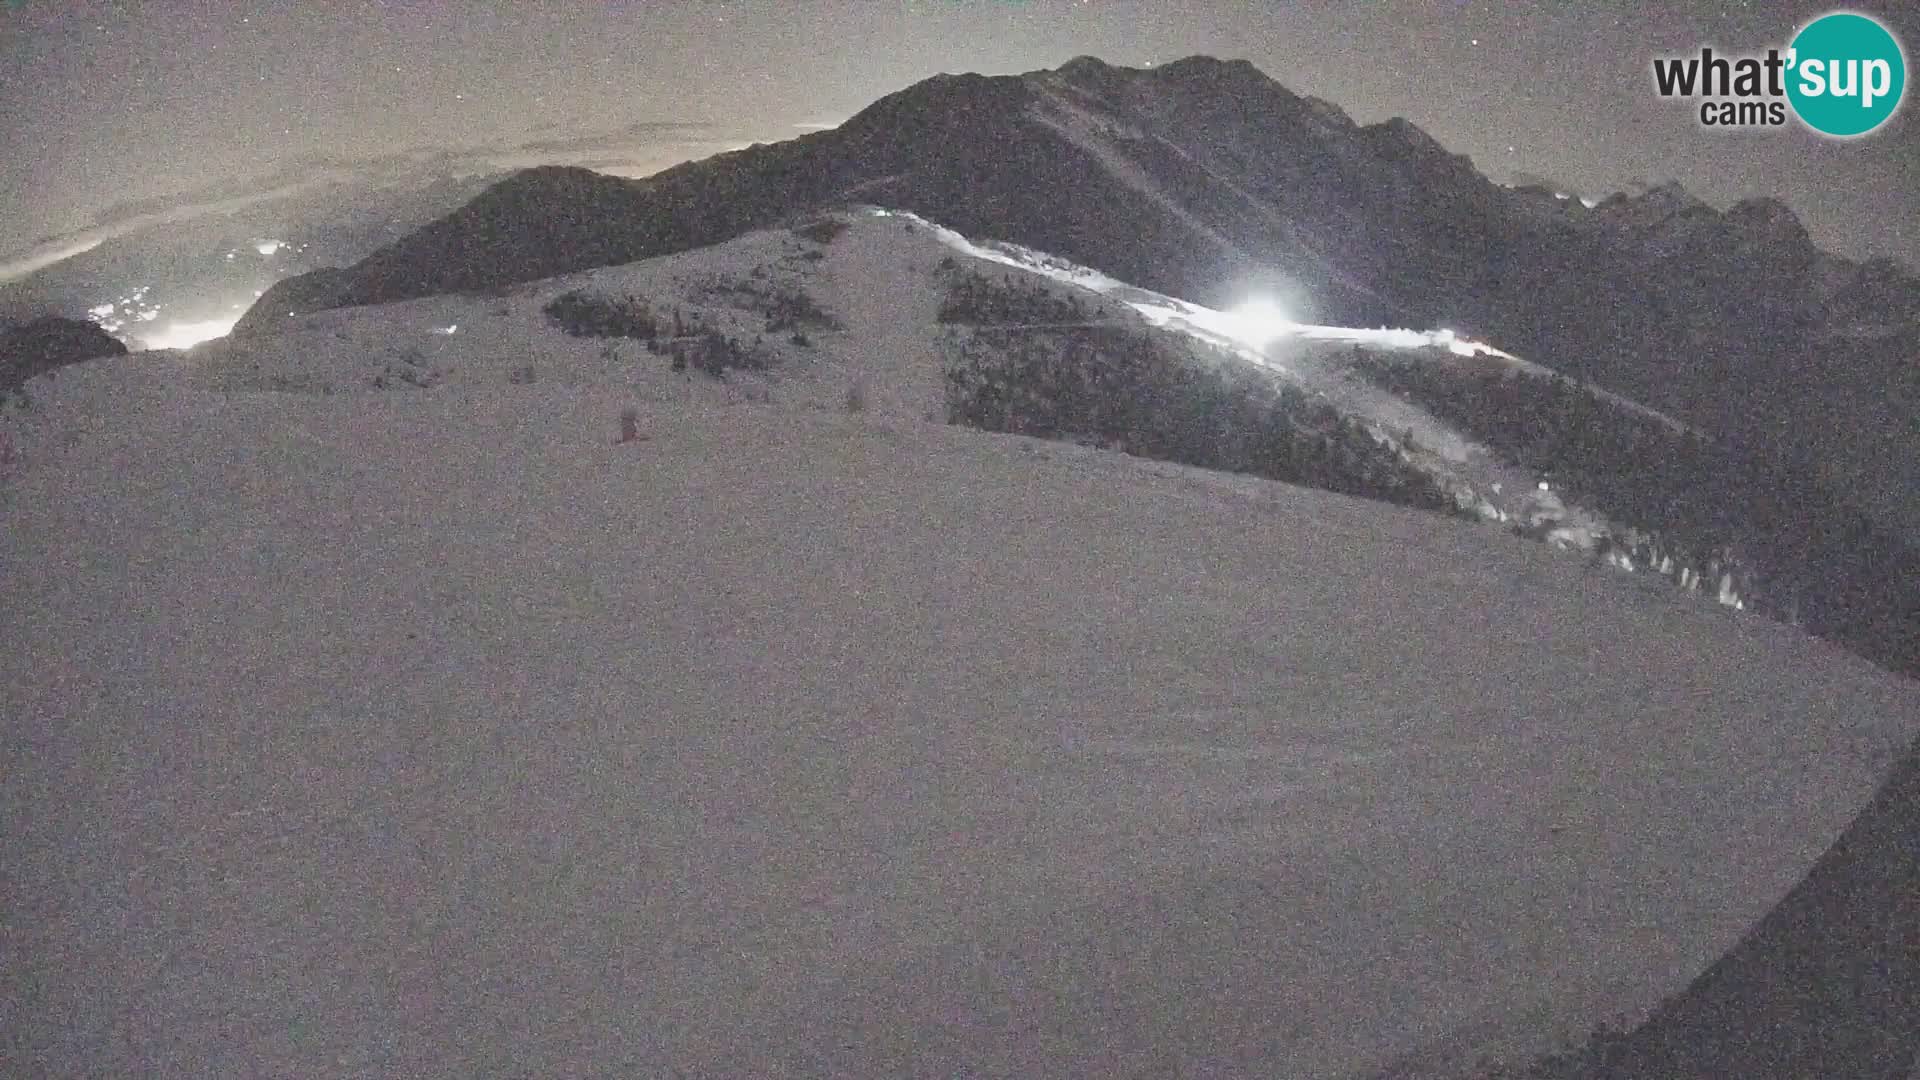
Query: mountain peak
[[1208, 82], [1198, 68], [1768, 217], [1414, 135], [1654, 206], [1090, 73], [940, 101], [1669, 194], [1201, 66], [1329, 113], [1081, 66]]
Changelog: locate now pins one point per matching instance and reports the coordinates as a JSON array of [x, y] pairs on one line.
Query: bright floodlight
[[1259, 323]]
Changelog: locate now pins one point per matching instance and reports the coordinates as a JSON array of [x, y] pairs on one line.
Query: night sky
[[110, 104]]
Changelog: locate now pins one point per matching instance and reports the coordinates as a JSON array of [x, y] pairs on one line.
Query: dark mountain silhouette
[[48, 343], [1206, 179]]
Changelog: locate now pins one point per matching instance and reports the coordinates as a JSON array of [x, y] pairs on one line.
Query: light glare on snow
[[1259, 323], [1255, 324]]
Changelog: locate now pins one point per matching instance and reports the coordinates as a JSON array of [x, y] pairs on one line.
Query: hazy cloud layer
[[637, 149]]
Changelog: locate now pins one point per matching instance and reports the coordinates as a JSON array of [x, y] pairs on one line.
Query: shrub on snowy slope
[[584, 315], [689, 342], [978, 300], [820, 230]]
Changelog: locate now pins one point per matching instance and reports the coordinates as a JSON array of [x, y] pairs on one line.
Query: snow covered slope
[[881, 282], [433, 732], [854, 305]]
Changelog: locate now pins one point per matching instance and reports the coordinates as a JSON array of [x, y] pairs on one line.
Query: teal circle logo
[[1846, 74]]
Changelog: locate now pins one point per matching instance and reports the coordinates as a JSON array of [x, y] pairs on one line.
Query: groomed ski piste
[[431, 730]]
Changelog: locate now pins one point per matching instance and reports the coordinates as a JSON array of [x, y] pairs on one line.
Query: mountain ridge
[[1206, 179], [949, 105]]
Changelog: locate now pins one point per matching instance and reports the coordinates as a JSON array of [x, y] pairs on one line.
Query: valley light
[[187, 335]]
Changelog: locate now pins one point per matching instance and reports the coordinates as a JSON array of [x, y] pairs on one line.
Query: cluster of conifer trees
[[688, 341], [978, 300], [1124, 389]]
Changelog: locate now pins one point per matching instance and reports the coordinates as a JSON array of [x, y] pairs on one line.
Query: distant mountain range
[[1208, 180]]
